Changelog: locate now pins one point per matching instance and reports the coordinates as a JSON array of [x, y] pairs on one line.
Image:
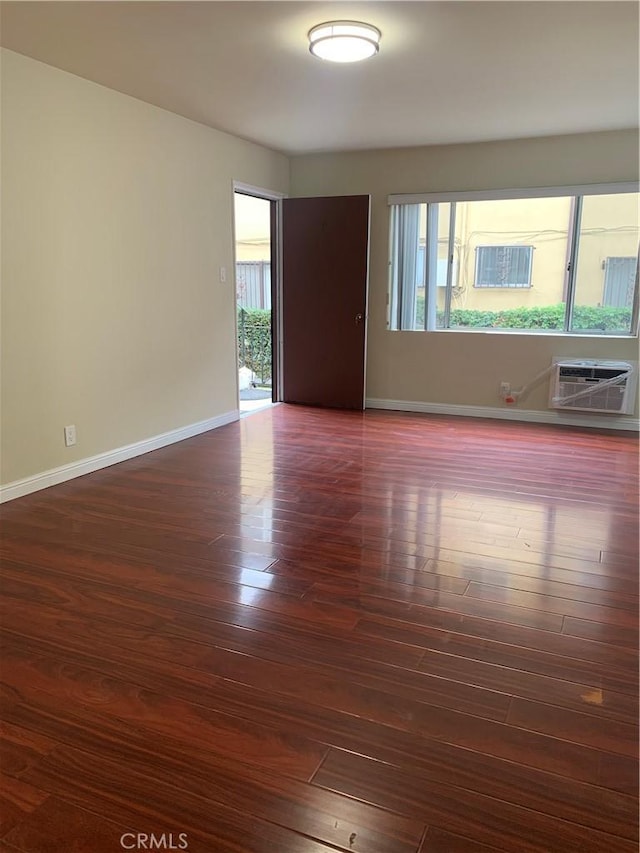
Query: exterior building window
[[253, 284], [503, 266], [619, 282]]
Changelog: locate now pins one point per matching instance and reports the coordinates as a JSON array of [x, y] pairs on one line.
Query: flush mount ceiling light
[[344, 41]]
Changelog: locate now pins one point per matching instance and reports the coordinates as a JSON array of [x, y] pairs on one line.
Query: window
[[503, 266], [548, 261], [619, 281]]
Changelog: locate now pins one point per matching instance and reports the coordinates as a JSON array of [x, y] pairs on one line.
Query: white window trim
[[511, 193]]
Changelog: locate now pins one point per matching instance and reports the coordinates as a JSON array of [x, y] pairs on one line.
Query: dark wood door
[[325, 253]]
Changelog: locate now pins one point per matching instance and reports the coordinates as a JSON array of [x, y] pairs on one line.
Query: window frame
[[575, 192]]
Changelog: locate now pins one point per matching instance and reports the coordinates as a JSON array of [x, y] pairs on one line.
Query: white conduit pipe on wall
[[520, 394]]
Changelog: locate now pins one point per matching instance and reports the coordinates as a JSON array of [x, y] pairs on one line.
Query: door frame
[[276, 280]]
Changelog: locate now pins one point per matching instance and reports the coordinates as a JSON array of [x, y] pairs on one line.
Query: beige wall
[[116, 217], [451, 367]]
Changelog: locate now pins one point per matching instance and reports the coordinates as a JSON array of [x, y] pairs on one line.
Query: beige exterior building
[[539, 229], [252, 228], [252, 224], [619, 239]]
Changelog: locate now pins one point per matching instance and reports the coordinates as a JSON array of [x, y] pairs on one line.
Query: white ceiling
[[446, 72]]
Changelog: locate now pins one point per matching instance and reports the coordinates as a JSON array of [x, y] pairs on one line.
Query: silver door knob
[[359, 318]]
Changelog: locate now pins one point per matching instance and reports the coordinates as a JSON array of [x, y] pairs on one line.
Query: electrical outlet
[[70, 435], [223, 275], [505, 389]]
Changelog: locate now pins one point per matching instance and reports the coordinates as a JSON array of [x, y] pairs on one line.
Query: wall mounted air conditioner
[[586, 385]]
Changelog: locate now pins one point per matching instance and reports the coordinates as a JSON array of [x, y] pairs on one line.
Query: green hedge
[[545, 317], [254, 341]]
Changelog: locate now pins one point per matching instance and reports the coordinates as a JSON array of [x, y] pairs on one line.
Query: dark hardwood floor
[[315, 630]]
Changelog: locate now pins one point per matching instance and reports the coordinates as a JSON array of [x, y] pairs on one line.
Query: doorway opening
[[255, 279]]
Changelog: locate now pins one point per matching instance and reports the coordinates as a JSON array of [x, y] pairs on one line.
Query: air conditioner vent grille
[[609, 399]]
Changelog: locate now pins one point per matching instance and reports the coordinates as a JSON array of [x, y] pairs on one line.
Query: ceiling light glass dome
[[344, 41]]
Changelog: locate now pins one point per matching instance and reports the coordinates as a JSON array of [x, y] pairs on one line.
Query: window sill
[[529, 333]]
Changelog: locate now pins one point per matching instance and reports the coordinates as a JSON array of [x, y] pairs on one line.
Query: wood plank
[[606, 735], [376, 572], [619, 773], [440, 841], [601, 632], [591, 698], [513, 573], [432, 607], [17, 799], [624, 596], [553, 604], [20, 749]]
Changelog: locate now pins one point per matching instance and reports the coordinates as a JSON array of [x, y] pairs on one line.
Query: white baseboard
[[511, 414], [19, 488]]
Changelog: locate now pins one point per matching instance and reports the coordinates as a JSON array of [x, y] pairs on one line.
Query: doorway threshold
[[254, 399], [249, 407]]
